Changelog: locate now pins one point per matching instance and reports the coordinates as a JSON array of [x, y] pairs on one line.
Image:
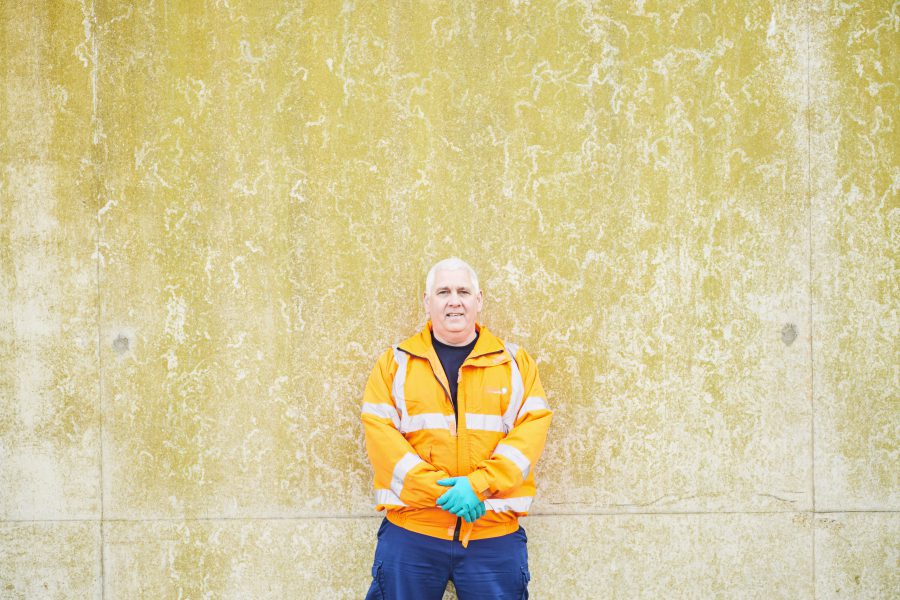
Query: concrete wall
[[214, 215]]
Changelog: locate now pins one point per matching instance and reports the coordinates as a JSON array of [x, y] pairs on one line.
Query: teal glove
[[461, 499]]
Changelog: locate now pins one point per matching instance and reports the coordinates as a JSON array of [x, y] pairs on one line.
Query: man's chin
[[455, 329]]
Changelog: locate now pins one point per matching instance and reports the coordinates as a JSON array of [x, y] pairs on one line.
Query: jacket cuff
[[478, 481]]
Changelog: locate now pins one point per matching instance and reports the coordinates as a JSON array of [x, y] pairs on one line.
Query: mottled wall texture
[[215, 214]]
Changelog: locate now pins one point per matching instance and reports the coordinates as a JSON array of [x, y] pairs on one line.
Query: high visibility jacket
[[413, 438]]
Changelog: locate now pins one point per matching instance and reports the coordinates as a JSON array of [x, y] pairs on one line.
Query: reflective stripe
[[397, 388], [403, 466], [521, 504], [533, 403], [389, 497], [518, 390], [427, 421], [484, 422], [385, 411], [514, 455]]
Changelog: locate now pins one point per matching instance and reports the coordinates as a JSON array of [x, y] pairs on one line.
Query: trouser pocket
[[376, 590], [526, 577]]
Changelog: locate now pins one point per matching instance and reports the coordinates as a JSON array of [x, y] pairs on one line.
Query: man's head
[[452, 301]]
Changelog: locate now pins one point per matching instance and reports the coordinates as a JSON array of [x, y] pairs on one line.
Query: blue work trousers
[[413, 566]]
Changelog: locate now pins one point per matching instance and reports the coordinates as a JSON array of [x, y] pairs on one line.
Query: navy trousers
[[413, 566]]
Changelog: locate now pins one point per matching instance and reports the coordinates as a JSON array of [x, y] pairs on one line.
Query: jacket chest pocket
[[489, 395], [428, 400]]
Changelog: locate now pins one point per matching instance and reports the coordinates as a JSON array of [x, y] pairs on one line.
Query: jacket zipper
[[456, 414], [449, 399], [456, 410]]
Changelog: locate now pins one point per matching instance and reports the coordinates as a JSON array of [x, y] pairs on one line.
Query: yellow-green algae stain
[[860, 348], [629, 181]]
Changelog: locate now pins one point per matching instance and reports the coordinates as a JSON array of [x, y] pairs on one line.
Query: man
[[455, 420]]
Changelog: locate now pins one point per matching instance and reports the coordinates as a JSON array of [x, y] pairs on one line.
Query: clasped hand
[[461, 499]]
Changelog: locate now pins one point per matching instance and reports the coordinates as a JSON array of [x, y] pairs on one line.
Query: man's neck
[[462, 340]]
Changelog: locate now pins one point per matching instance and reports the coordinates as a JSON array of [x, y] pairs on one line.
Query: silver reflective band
[[399, 382], [403, 467], [427, 421], [521, 504], [385, 411], [484, 422], [387, 497], [514, 455], [518, 390], [533, 403]]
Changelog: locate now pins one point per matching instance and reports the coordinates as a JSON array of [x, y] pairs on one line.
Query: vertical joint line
[[95, 51], [811, 287]]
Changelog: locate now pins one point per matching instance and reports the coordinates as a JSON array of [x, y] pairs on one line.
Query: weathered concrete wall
[[215, 214]]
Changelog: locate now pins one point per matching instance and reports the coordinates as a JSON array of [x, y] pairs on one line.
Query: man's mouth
[[454, 314]]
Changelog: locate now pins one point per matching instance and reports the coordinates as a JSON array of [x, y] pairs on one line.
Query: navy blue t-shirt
[[452, 358]]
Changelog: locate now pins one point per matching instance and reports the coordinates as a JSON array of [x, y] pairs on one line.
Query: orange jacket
[[413, 439]]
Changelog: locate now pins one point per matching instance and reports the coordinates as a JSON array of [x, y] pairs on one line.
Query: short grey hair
[[450, 264]]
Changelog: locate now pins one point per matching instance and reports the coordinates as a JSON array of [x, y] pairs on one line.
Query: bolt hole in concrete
[[121, 343], [788, 334]]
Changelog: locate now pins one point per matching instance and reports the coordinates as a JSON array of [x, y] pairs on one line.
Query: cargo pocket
[[526, 577], [376, 591]]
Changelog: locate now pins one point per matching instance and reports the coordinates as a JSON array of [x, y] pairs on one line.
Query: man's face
[[453, 306]]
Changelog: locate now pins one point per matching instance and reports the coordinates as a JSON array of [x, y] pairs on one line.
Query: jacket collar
[[420, 344]]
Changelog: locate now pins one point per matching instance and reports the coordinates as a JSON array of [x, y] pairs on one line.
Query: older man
[[455, 420]]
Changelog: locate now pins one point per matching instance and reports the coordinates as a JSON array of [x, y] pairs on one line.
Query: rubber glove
[[461, 499], [475, 514]]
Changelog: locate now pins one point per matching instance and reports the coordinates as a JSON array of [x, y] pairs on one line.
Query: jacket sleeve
[[402, 478], [513, 458]]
